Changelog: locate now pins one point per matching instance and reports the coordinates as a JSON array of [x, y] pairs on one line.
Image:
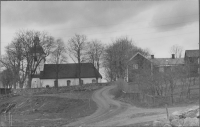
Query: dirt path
[[115, 113], [107, 108]]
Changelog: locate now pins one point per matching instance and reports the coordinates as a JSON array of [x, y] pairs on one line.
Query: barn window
[[135, 66], [68, 82]]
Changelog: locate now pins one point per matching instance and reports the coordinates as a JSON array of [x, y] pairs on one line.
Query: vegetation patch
[[123, 92], [45, 110], [144, 114]]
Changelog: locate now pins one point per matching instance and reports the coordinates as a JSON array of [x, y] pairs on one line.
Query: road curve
[[107, 108]]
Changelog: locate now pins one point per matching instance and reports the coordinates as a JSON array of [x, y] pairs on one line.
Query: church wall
[[36, 83]]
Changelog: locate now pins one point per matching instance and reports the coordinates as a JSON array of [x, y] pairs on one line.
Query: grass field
[[178, 99], [51, 110]]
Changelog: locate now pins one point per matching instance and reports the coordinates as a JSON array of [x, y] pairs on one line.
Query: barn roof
[[192, 53], [167, 61], [69, 71]]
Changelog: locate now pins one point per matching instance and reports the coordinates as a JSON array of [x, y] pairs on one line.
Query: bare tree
[[95, 52], [7, 78], [77, 48], [117, 55], [177, 50], [13, 61], [27, 59], [58, 57]]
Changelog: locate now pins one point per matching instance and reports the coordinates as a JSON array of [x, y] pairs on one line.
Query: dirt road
[[107, 108], [115, 113]]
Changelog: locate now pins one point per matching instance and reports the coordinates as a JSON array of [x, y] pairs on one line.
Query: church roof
[[69, 71]]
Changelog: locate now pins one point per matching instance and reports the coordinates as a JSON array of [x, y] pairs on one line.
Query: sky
[[152, 25]]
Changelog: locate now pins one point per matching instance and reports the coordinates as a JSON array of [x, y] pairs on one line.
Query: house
[[192, 61], [136, 65], [140, 63], [166, 64], [67, 74]]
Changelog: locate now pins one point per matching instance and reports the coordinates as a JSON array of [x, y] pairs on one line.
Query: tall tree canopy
[[117, 55], [77, 49], [19, 57], [95, 52]]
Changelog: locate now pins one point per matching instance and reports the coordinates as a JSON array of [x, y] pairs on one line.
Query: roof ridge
[[68, 63]]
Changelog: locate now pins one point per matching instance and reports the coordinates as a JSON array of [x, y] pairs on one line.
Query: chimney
[[152, 56], [173, 56]]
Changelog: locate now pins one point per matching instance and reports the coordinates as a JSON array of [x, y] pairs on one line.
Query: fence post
[[5, 116], [9, 119], [167, 111]]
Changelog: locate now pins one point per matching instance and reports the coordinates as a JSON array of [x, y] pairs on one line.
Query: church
[[67, 74]]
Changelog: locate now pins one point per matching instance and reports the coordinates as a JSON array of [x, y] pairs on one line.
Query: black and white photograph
[[100, 63]]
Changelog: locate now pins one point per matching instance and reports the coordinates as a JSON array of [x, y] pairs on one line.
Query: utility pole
[[199, 47], [0, 50]]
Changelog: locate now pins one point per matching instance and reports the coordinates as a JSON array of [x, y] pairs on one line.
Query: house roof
[[167, 61], [138, 53], [192, 53], [69, 71]]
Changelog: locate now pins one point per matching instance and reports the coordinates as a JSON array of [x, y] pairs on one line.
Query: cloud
[[77, 14], [175, 14]]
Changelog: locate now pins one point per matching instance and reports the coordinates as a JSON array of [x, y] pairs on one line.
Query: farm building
[[192, 61], [140, 63]]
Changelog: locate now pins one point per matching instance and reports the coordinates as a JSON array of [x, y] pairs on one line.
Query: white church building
[[67, 74]]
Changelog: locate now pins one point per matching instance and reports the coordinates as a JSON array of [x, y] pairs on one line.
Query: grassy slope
[[47, 110]]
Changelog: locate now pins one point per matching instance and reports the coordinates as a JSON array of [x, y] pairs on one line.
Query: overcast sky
[[156, 25]]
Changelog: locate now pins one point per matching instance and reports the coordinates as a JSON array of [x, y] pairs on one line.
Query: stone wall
[[52, 90], [187, 118]]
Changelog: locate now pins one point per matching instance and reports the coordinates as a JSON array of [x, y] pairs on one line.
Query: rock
[[167, 125], [192, 113], [197, 115], [191, 122], [177, 122], [176, 113], [172, 117], [160, 122]]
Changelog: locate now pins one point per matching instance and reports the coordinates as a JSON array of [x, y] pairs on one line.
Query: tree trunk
[[56, 81], [79, 68], [79, 73], [29, 81]]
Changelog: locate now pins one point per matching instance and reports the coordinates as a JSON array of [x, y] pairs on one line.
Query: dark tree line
[[20, 64], [19, 61], [117, 55]]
